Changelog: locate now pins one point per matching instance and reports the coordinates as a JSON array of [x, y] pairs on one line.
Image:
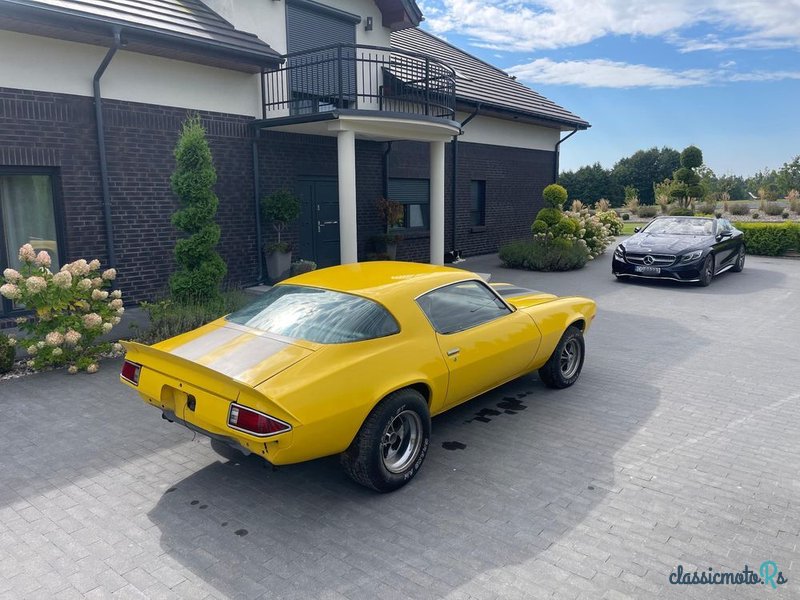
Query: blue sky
[[721, 74]]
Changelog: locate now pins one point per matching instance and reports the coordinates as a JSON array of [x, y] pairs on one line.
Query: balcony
[[358, 78]]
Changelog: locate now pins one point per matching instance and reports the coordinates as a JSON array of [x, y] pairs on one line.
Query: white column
[[437, 203], [348, 229]]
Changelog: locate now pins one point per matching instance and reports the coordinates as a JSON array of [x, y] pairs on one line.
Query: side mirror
[[637, 229]]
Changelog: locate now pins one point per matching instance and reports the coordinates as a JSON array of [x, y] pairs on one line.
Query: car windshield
[[316, 315], [681, 226]]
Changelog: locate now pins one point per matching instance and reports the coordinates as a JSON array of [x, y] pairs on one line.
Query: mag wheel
[[565, 364], [391, 444], [739, 264], [706, 272]]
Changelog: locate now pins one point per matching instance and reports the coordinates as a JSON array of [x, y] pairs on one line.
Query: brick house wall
[[515, 178], [41, 129]]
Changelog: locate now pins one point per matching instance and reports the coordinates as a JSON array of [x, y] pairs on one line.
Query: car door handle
[[453, 351]]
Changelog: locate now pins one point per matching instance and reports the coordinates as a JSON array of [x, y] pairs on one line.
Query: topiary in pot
[[279, 209]]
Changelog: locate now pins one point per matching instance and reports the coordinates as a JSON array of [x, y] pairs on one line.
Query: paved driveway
[[680, 444]]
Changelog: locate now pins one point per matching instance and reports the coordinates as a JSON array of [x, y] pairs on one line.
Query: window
[[27, 216], [414, 194], [477, 212], [316, 315], [461, 306]]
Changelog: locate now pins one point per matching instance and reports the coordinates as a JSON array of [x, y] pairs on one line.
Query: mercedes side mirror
[[637, 229]]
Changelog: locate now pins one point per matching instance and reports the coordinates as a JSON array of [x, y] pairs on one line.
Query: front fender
[[553, 319]]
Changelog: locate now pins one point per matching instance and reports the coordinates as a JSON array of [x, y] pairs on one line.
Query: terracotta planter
[[278, 265]]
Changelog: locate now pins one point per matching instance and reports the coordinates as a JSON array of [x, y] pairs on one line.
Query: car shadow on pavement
[[750, 281], [508, 475]]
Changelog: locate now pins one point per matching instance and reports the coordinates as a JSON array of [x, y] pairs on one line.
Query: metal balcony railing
[[359, 77]]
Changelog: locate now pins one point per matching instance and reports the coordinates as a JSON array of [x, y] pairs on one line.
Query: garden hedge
[[770, 239]]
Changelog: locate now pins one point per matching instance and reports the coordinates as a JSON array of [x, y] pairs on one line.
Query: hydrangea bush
[[71, 309]]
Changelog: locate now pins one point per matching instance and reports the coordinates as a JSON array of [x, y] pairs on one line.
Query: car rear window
[[316, 315]]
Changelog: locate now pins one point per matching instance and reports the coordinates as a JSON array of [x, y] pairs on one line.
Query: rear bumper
[[687, 273]]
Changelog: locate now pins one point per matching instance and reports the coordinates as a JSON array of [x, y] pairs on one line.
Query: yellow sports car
[[355, 359]]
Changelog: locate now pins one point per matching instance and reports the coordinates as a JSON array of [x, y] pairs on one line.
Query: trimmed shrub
[[7, 352], [770, 239], [755, 215], [647, 211], [539, 226], [785, 214], [691, 157], [740, 208], [773, 209], [200, 267], [680, 211], [566, 227], [550, 216], [555, 196], [626, 217], [279, 209], [555, 254]]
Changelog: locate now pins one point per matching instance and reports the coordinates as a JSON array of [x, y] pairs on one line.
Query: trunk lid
[[235, 352]]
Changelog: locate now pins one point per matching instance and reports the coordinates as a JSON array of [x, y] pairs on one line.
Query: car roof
[[383, 281]]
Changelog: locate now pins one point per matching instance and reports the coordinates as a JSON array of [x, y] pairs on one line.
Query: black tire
[[707, 272], [225, 451], [564, 366], [380, 457], [738, 266]]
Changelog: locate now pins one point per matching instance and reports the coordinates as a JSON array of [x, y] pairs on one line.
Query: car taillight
[[252, 421], [130, 372]]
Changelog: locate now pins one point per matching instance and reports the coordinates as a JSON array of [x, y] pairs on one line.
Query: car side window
[[461, 306]]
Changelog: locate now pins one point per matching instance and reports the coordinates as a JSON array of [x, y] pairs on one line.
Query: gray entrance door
[[319, 220]]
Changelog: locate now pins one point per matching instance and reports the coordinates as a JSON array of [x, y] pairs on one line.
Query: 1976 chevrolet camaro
[[354, 360]]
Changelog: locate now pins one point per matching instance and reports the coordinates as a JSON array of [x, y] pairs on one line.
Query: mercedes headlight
[[692, 256]]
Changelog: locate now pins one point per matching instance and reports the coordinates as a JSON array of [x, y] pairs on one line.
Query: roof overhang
[[399, 14], [378, 126], [509, 114], [35, 19]]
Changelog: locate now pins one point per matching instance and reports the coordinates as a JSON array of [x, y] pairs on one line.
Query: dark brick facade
[[57, 130], [40, 129], [514, 177]]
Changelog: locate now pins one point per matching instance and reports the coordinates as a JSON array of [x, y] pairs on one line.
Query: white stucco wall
[[267, 19], [50, 65], [499, 132]]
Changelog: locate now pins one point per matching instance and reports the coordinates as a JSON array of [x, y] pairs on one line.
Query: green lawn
[[627, 228]]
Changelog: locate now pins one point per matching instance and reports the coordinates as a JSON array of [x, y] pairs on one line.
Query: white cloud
[[606, 73], [514, 25], [610, 74]]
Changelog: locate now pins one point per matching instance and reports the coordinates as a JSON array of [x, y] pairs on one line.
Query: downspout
[[257, 205], [101, 145], [386, 169], [558, 152], [454, 173]]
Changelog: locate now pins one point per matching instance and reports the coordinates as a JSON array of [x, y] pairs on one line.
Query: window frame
[[426, 216], [54, 173], [481, 283], [481, 202]]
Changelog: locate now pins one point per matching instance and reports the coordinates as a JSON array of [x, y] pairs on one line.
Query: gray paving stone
[[679, 445]]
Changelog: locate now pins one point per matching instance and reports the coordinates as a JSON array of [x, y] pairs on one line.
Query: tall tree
[[200, 268], [589, 183], [645, 168], [789, 176]]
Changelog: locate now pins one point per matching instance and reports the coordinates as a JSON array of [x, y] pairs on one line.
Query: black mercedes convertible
[[681, 248]]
